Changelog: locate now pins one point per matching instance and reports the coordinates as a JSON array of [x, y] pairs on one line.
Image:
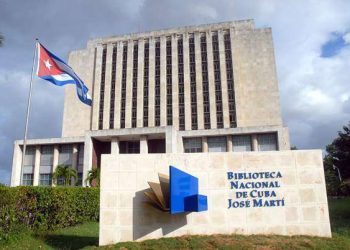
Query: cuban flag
[[55, 70]]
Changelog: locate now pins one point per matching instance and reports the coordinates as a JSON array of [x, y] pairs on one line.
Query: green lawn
[[86, 236]]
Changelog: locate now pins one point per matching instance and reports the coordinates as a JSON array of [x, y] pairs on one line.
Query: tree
[[2, 38], [337, 162], [339, 152], [93, 177], [331, 175], [66, 173]]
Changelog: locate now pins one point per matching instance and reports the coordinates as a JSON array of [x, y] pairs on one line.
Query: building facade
[[207, 88]]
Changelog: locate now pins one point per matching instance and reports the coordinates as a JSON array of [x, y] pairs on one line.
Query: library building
[[179, 112]]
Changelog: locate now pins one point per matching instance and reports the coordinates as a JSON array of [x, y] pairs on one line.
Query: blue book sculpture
[[177, 194], [184, 195]]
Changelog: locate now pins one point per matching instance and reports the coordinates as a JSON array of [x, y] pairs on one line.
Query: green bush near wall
[[46, 208]]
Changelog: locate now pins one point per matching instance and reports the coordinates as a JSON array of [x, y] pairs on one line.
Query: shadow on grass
[[69, 241]]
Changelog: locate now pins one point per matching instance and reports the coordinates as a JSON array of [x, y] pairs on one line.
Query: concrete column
[[205, 144], [211, 81], [108, 79], [175, 82], [255, 142], [75, 156], [229, 143], [88, 147], [140, 73], [36, 166], [187, 83], [118, 85], [97, 83], [16, 165], [115, 146], [151, 84], [199, 81], [163, 84], [225, 108], [143, 145], [170, 140], [55, 159], [129, 77]]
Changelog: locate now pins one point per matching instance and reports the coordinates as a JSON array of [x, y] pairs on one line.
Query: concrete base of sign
[[281, 192]]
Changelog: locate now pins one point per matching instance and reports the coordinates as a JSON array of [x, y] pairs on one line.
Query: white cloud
[[346, 38], [314, 91]]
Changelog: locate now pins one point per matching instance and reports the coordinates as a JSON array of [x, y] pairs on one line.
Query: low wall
[[280, 192]]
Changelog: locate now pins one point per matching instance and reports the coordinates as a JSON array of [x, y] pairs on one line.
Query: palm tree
[[93, 177], [66, 173]]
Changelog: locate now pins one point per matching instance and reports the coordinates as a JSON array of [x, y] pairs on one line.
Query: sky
[[311, 40]]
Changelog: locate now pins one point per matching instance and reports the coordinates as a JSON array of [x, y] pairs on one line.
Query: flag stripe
[[56, 71]]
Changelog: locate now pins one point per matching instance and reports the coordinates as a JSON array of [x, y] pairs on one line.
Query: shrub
[[46, 208], [345, 187]]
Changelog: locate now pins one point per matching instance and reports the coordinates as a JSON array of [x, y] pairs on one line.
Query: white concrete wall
[[125, 217]]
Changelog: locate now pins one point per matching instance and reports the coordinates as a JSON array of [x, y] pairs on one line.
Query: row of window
[[169, 90], [217, 80], [145, 85], [240, 143], [46, 180], [134, 87], [157, 85], [230, 87], [112, 100], [192, 67], [123, 92], [206, 104], [65, 157], [194, 121], [180, 61], [102, 88]]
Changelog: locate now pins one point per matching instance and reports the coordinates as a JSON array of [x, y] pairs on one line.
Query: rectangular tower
[[192, 78]]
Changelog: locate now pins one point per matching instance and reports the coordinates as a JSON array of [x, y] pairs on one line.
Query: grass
[[85, 236]]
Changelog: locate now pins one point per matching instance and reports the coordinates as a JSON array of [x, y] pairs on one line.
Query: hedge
[[46, 208]]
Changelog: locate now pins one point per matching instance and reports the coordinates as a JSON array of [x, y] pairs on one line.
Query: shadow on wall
[[147, 219]]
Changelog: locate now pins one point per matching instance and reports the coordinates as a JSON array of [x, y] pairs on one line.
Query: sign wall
[[280, 192]]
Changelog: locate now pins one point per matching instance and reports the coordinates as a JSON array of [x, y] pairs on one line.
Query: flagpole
[[28, 110]]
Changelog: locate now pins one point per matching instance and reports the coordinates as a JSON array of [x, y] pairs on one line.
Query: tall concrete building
[[206, 88]]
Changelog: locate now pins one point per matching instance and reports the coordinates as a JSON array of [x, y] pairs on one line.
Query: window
[[156, 146], [112, 97], [145, 84], [46, 158], [80, 179], [46, 161], [192, 145], [60, 181], [267, 142], [27, 180], [122, 101], [181, 84], [129, 147], [157, 84], [29, 156], [65, 155], [81, 157], [217, 144], [169, 85], [45, 180], [102, 88], [28, 166], [241, 143], [134, 85]]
